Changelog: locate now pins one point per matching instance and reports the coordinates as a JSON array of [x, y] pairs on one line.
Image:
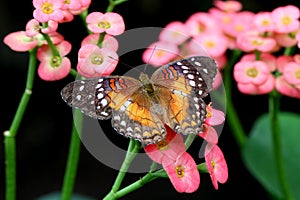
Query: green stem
[[132, 150], [232, 116], [9, 136], [73, 157], [274, 108], [51, 45], [189, 140]]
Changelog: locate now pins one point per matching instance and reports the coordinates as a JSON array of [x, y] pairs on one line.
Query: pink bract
[[52, 67], [160, 53], [19, 41], [183, 173], [214, 44], [263, 22], [46, 10], [265, 88], [291, 73], [286, 19], [214, 117], [32, 28], [267, 58], [250, 41], [169, 148], [285, 40], [216, 164], [94, 61], [287, 89], [175, 32], [255, 72], [228, 6], [108, 42], [199, 23], [209, 134], [111, 23]]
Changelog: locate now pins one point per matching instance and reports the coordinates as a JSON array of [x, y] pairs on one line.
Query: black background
[[43, 137]]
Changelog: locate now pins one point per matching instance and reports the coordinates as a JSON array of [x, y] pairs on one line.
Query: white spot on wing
[[205, 70], [81, 88], [78, 97], [104, 102]]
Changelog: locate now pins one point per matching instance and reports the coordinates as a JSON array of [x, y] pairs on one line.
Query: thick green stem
[[132, 151], [73, 157], [9, 136], [274, 108], [232, 116]]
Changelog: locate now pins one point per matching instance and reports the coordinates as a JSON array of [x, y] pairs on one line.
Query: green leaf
[[258, 153]]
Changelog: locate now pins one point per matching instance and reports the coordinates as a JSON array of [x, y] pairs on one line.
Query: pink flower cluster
[[180, 166], [98, 57], [226, 27], [259, 71], [92, 60]]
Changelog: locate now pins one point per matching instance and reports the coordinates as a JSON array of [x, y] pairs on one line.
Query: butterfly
[[139, 108]]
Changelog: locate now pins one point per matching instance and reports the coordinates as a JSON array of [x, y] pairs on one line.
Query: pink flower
[[19, 41], [46, 10], [200, 22], [160, 53], [183, 173], [254, 77], [291, 73], [214, 117], [175, 32], [214, 44], [298, 39], [285, 39], [255, 72], [76, 6], [52, 67], [108, 42], [286, 88], [94, 61], [171, 147], [250, 41], [263, 22], [242, 21], [111, 23], [216, 164], [286, 19], [267, 58], [209, 134], [33, 28], [228, 6]]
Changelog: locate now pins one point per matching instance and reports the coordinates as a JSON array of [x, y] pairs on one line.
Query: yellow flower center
[[179, 171], [97, 59], [55, 61], [257, 42], [226, 19], [162, 145], [160, 53], [213, 164], [67, 1], [286, 20], [252, 72], [297, 74], [210, 44], [265, 22], [104, 24], [239, 27], [47, 8]]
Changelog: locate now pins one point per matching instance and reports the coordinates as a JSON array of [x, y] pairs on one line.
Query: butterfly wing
[[119, 97], [97, 97], [135, 119], [187, 81], [193, 74]]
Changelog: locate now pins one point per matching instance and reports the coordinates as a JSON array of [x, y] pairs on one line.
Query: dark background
[[43, 137]]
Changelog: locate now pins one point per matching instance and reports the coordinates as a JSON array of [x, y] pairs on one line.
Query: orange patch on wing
[[140, 114], [179, 104]]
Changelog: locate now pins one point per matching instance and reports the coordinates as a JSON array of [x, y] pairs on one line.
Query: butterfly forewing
[[97, 97], [194, 74]]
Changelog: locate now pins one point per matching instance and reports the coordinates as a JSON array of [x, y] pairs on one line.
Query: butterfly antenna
[[147, 63], [127, 65]]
